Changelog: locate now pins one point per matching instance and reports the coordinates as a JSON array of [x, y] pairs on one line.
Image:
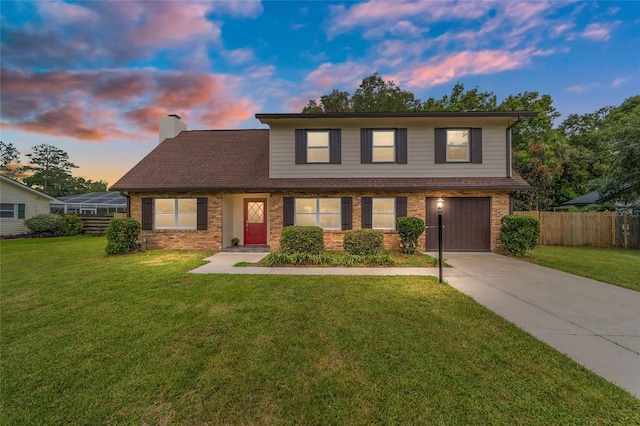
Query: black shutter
[[347, 213], [441, 145], [21, 211], [335, 146], [147, 213], [202, 218], [401, 146], [288, 211], [476, 145], [367, 212], [366, 146], [301, 146], [401, 207]]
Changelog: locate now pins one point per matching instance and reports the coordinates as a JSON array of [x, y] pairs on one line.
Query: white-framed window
[[12, 211], [458, 145], [317, 146], [322, 212], [383, 213], [384, 146], [175, 213]]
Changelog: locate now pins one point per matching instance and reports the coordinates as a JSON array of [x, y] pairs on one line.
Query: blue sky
[[93, 78]]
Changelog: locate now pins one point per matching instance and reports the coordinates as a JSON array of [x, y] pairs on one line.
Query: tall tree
[[374, 95], [51, 165], [10, 160], [461, 100]]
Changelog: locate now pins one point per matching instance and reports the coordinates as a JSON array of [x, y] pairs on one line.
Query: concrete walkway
[[596, 324]]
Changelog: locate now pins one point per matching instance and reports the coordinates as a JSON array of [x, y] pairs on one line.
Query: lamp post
[[440, 204]]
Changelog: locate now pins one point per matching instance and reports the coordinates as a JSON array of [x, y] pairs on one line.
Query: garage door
[[466, 221]]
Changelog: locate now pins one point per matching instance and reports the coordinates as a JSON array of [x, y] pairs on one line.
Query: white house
[[19, 202]]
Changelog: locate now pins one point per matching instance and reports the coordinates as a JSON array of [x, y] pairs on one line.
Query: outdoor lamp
[[440, 204]]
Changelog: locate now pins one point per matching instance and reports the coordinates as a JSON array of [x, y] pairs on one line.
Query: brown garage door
[[466, 221]]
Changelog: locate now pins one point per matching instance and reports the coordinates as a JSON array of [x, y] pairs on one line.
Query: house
[[17, 203], [199, 189]]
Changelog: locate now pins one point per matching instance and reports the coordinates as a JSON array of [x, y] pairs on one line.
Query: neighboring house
[[106, 203], [17, 203], [580, 202], [199, 189]]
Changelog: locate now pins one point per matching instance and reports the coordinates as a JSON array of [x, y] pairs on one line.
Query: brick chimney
[[170, 126]]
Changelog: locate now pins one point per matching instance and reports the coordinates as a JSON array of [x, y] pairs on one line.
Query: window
[[318, 146], [7, 211], [176, 213], [383, 213], [322, 212], [384, 147], [458, 145]]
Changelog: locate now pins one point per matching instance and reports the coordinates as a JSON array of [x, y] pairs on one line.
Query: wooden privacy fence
[[596, 229]]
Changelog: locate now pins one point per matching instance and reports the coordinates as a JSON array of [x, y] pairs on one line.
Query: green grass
[[91, 339], [620, 267]]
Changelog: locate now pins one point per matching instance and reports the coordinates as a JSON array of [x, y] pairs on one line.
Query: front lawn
[[620, 267], [91, 339]]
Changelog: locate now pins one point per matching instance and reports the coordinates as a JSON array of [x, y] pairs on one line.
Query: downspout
[[509, 153], [510, 158]]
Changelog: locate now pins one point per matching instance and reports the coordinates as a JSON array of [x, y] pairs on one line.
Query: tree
[[374, 95], [9, 160], [51, 168], [459, 100]]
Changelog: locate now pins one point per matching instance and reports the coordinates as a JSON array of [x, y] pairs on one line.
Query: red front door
[[255, 221]]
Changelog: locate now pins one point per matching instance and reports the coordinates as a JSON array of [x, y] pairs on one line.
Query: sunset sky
[[93, 78]]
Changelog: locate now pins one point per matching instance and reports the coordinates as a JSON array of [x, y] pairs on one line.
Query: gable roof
[[238, 160], [26, 188]]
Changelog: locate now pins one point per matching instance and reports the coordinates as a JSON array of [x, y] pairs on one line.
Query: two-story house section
[[200, 189]]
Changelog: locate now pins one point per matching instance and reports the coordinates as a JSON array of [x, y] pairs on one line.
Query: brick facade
[[212, 238]]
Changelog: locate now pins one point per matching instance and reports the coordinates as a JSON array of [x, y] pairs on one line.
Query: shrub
[[302, 239], [122, 235], [363, 241], [71, 224], [44, 224], [409, 230], [519, 234]]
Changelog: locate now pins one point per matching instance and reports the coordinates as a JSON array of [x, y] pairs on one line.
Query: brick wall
[[211, 239]]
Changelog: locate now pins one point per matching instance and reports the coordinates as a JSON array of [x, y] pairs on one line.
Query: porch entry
[[255, 221]]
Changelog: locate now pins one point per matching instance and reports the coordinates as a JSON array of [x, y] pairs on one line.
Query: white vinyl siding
[[175, 213], [420, 151], [13, 194], [322, 212]]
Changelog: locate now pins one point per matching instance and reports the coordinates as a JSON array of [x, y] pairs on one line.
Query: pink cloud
[[620, 81], [102, 105], [597, 32], [444, 69], [582, 88], [330, 75]]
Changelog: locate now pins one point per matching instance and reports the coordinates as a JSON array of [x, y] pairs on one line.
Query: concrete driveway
[[596, 324]]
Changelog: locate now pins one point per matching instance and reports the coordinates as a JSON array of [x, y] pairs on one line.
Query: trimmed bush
[[71, 224], [302, 239], [409, 229], [122, 235], [519, 234], [44, 224], [363, 241]]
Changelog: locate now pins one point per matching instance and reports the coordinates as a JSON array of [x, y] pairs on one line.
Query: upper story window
[[318, 146], [458, 145], [12, 211], [175, 213], [322, 212], [383, 146]]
